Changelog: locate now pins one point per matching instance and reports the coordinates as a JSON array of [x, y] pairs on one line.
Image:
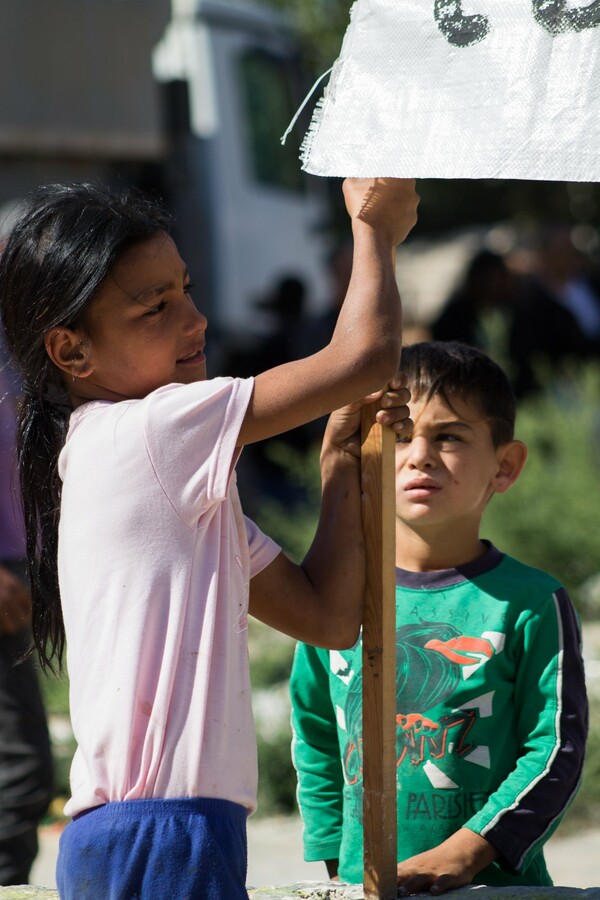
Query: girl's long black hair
[[60, 250]]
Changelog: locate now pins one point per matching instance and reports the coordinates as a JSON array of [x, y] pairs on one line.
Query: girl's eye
[[187, 288], [155, 310]]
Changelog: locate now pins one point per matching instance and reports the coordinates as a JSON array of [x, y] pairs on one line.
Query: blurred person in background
[[339, 268], [294, 334], [480, 311], [26, 769], [260, 474], [557, 314]]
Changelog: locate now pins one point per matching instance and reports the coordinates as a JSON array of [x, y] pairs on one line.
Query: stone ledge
[[28, 892], [327, 890], [315, 890]]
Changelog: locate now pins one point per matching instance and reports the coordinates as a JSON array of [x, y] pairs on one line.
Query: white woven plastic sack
[[463, 89]]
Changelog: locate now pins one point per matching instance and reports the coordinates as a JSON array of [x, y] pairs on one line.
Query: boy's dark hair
[[450, 369], [62, 247]]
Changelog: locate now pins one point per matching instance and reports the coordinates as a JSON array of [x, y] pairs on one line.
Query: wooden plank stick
[[379, 661]]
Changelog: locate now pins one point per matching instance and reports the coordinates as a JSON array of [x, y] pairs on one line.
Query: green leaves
[[321, 25], [551, 517]]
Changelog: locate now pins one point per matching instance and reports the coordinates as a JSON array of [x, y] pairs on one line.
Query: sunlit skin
[[142, 330], [446, 472]]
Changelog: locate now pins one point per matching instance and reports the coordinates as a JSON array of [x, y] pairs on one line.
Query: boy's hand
[[343, 428], [451, 864], [388, 205], [332, 869]]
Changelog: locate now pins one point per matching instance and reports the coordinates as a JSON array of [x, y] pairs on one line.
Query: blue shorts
[[192, 849]]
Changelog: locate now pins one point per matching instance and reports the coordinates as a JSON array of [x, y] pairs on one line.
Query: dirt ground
[[275, 856]]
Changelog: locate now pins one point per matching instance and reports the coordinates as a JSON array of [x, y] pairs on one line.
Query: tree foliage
[[551, 517], [321, 25]]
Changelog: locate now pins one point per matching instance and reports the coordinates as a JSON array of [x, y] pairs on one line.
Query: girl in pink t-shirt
[[141, 561]]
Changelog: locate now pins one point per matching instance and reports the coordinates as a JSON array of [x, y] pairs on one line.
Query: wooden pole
[[379, 661]]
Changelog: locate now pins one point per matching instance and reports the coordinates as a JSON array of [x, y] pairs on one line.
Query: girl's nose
[[197, 320]]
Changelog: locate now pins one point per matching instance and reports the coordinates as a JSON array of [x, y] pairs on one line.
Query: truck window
[[268, 97]]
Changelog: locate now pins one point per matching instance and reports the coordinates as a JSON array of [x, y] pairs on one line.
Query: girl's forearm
[[335, 562], [370, 319]]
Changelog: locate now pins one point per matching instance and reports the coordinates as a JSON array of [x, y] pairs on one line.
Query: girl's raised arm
[[364, 352]]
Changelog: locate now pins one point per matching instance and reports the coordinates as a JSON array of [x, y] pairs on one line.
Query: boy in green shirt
[[491, 703]]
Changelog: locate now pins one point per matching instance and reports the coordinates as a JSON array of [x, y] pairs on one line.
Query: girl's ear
[[511, 461], [69, 351]]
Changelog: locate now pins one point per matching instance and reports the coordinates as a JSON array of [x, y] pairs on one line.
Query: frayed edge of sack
[[312, 131]]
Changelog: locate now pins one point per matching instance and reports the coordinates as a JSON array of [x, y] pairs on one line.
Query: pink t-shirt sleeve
[[191, 433], [262, 549]]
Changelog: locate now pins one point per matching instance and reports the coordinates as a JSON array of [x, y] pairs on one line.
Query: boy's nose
[[420, 454]]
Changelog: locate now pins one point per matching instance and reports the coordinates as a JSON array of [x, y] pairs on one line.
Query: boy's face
[[448, 469]]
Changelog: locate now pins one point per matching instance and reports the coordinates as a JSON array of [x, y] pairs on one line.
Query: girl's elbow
[[383, 361], [348, 639], [368, 363], [341, 634]]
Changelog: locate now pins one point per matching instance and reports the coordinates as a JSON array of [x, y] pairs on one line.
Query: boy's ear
[[68, 351], [511, 459]]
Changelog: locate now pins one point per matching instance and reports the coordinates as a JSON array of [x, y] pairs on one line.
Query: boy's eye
[[187, 288], [446, 436]]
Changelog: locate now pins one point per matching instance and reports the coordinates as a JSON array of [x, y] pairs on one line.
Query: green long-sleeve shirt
[[491, 720]]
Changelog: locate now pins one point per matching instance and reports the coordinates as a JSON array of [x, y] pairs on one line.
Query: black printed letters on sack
[[463, 30]]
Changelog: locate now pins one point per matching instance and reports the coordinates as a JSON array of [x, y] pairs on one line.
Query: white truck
[[187, 98]]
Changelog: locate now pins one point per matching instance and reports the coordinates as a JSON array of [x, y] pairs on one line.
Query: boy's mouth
[[421, 486]]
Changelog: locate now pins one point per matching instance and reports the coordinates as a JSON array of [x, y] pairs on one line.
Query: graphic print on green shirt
[[432, 661]]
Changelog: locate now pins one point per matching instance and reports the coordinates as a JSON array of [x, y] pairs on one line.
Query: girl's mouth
[[192, 359]]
